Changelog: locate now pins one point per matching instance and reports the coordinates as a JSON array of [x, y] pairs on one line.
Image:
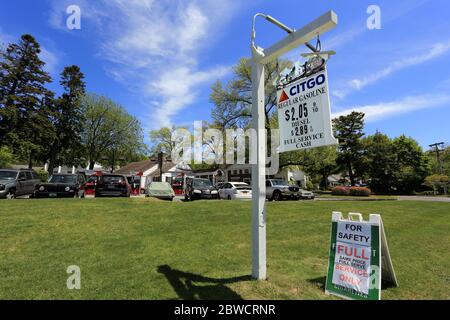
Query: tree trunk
[[30, 162], [91, 165], [324, 183], [350, 174], [51, 163]]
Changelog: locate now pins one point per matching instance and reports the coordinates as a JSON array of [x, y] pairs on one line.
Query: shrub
[[6, 157], [43, 175], [340, 191], [309, 185], [360, 191]]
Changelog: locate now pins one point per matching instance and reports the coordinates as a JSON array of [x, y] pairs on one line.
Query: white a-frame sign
[[359, 258]]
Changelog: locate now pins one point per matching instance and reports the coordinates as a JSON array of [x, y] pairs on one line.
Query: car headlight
[[41, 188], [67, 189], [197, 191], [2, 187], [213, 192]]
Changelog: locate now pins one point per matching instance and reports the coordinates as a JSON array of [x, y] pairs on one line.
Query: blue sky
[[159, 58]]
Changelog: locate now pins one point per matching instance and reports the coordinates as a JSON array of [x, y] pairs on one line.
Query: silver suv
[[278, 189], [17, 182]]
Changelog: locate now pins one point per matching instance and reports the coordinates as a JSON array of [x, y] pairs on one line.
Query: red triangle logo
[[283, 97]]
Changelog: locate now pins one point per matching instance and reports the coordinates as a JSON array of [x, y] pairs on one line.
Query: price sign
[[304, 113]]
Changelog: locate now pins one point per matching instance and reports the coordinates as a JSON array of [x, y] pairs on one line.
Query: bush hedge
[[360, 191], [43, 175], [340, 191], [353, 191]]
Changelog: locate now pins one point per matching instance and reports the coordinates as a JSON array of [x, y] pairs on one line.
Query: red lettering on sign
[[353, 252]]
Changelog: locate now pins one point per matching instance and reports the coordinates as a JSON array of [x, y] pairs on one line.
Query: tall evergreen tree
[[68, 119], [24, 101], [349, 130]]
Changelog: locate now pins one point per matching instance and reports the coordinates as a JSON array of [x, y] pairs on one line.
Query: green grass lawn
[[149, 249]]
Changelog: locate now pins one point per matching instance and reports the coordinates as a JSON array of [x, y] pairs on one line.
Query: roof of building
[[139, 166], [144, 165]]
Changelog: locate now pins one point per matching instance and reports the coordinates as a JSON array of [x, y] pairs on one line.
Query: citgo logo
[[283, 97]]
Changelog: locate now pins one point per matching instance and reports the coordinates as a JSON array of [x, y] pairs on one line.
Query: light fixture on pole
[[260, 57]]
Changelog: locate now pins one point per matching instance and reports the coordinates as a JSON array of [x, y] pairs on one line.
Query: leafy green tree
[[6, 157], [349, 131], [67, 119], [109, 132], [318, 163], [437, 181], [381, 162], [413, 164], [25, 103], [233, 101], [161, 140]]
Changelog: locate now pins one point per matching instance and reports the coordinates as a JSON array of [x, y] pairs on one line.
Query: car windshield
[[203, 183], [113, 179], [62, 179], [278, 182], [8, 175]]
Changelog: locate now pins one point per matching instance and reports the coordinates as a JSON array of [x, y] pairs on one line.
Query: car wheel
[[276, 196], [11, 194]]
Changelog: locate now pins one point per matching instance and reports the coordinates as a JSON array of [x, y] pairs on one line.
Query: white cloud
[[176, 89], [408, 104], [155, 48], [357, 84], [51, 60]]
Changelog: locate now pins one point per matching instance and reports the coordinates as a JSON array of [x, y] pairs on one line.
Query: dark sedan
[[62, 186], [111, 185], [200, 189]]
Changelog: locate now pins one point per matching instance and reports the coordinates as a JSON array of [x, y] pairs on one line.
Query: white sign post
[[260, 57], [304, 113]]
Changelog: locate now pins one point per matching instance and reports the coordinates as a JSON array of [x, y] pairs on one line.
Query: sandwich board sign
[[359, 258], [304, 113]]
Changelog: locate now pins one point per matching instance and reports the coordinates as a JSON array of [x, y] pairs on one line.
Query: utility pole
[[160, 164], [436, 148], [260, 57]]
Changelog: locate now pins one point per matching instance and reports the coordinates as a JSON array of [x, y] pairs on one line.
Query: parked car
[[278, 189], [62, 186], [200, 189], [15, 183], [305, 194], [112, 185], [219, 185], [235, 190], [160, 190]]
